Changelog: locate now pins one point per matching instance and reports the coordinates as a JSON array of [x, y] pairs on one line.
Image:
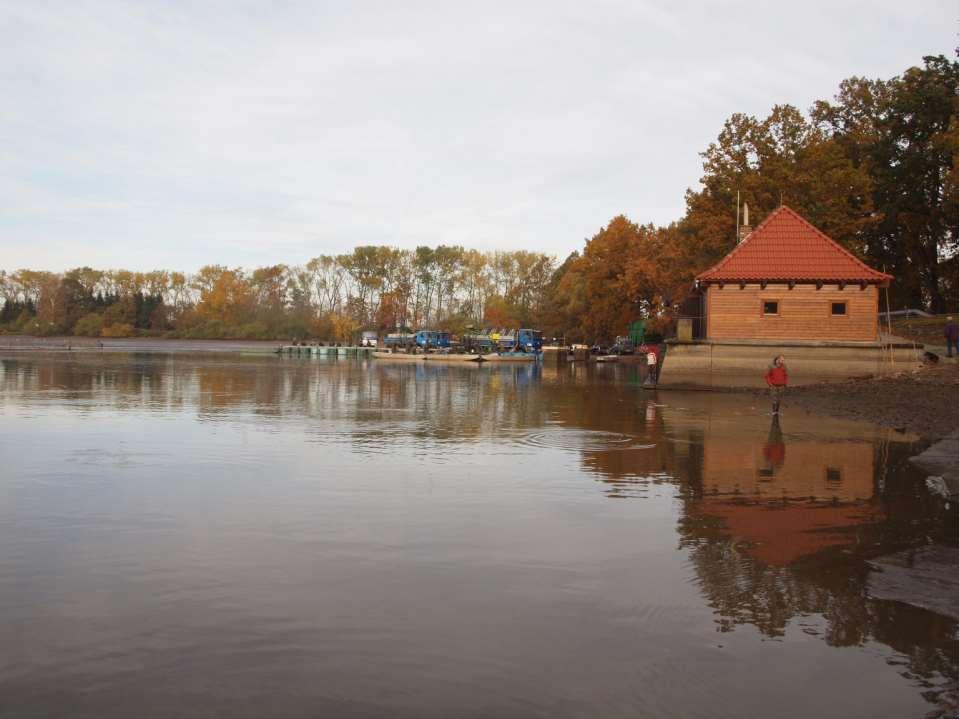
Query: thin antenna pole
[[737, 218]]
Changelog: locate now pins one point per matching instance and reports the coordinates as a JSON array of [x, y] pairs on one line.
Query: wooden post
[[892, 359]]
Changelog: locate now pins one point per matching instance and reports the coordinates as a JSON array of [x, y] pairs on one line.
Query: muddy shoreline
[[28, 343], [924, 402]]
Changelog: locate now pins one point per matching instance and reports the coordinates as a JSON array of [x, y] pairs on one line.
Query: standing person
[[951, 333], [652, 365], [777, 379]]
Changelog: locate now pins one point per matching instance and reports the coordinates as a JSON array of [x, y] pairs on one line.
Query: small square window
[[770, 307], [833, 475], [838, 309]]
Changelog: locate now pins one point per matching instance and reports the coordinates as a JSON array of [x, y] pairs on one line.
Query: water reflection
[[774, 515]]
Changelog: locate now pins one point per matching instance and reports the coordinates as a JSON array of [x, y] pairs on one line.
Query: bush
[[121, 312], [211, 330], [119, 330], [89, 325], [254, 331]]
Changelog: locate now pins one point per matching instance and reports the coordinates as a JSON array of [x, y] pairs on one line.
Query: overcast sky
[[176, 134]]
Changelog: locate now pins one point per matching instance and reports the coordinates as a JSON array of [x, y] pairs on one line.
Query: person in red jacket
[[777, 379]]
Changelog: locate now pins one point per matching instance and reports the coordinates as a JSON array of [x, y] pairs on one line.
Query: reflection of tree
[[438, 402], [769, 588], [740, 589]]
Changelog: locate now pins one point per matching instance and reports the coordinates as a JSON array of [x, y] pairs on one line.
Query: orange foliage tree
[[228, 299]]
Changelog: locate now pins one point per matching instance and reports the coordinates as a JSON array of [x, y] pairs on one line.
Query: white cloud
[[175, 134]]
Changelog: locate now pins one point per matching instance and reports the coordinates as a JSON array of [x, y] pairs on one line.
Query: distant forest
[[876, 168]]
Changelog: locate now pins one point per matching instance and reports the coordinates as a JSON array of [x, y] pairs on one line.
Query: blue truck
[[525, 340], [432, 338]]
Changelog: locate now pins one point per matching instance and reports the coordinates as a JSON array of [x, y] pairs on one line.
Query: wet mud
[[923, 402]]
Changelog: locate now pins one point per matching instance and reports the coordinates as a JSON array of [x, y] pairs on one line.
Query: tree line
[[330, 297], [876, 168]]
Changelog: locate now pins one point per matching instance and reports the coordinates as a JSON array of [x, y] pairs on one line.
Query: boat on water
[[438, 357], [510, 357], [397, 356], [607, 358], [453, 357]]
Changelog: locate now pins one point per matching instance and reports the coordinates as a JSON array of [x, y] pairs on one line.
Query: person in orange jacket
[[777, 379]]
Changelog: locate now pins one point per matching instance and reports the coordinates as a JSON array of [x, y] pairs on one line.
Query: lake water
[[216, 535]]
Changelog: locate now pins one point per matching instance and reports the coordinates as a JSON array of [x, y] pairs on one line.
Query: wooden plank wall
[[804, 313]]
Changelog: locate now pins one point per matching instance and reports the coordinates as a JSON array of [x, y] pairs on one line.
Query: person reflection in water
[[774, 451]]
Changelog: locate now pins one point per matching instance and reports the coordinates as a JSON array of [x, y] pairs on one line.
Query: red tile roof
[[786, 247]]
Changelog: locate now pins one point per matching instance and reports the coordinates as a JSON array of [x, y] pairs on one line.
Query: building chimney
[[744, 228]]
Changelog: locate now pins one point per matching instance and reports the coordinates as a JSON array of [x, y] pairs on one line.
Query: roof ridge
[[780, 248], [740, 245], [826, 237]]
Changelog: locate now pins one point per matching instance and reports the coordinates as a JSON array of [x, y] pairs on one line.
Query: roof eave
[[881, 281]]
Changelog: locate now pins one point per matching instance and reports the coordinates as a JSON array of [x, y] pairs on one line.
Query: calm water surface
[[247, 537]]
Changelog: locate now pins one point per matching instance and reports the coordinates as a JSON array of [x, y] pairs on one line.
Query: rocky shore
[[924, 401]]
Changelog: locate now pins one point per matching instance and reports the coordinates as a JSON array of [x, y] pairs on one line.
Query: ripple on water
[[581, 440]]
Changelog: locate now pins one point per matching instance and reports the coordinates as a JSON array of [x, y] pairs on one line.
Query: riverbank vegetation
[[876, 168], [329, 297]]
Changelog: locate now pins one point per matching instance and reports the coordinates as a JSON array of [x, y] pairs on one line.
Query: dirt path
[[925, 401]]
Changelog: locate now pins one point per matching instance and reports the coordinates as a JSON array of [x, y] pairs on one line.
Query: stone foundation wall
[[706, 365]]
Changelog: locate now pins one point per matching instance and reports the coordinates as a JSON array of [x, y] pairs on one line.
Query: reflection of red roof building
[[793, 503], [788, 281], [782, 534], [784, 488]]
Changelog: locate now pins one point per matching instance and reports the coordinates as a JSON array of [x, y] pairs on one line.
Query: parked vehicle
[[476, 343], [432, 339], [523, 340], [399, 339], [423, 339], [622, 346]]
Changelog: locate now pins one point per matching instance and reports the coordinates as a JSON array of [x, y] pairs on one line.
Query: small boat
[[398, 356], [453, 357], [435, 358], [510, 357], [607, 358]]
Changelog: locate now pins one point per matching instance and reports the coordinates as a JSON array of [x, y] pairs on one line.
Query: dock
[[311, 351], [305, 351]]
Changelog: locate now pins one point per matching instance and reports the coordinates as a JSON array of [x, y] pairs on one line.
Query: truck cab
[[432, 338], [524, 340]]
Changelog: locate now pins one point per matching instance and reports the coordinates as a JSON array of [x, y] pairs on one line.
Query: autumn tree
[[783, 158], [229, 299], [904, 134]]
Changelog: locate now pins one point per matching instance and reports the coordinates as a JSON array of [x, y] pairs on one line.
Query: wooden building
[[786, 280]]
